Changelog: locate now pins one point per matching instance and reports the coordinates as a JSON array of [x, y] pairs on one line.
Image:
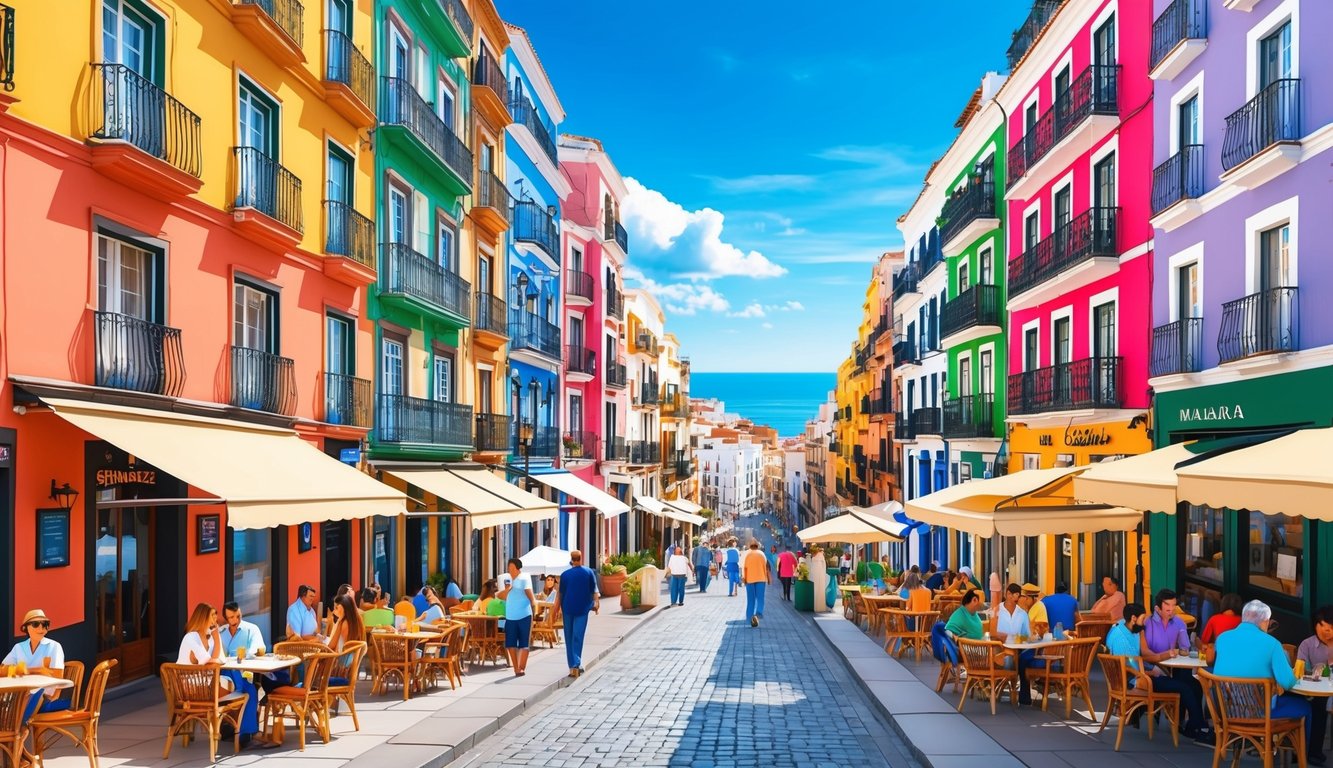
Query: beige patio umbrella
[[1290, 475], [853, 527], [1146, 481]]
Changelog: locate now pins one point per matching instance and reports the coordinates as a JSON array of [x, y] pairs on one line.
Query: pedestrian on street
[[678, 568], [575, 596], [703, 559], [757, 576], [786, 571], [519, 605], [845, 566], [733, 561]]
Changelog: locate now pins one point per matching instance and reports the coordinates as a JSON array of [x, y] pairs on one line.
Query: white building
[[793, 476], [731, 473]]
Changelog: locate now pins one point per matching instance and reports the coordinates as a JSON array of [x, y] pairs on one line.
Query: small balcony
[[491, 205], [617, 375], [277, 27], [1179, 35], [138, 355], [421, 284], [347, 400], [6, 49], [684, 466], [493, 431], [142, 137], [580, 363], [579, 445], [905, 281], [267, 205], [407, 120], [972, 314], [530, 332], [349, 238], [645, 344], [460, 42], [647, 395], [925, 421], [613, 232], [490, 89], [905, 350], [1079, 243], [579, 290], [413, 420], [1177, 348], [644, 452], [263, 381], [615, 449], [1093, 93], [968, 214], [491, 320], [536, 225], [674, 404], [1262, 138], [545, 443], [615, 304], [1093, 382], [1026, 35], [1262, 323], [1178, 180], [902, 428], [526, 117], [349, 79], [969, 416]]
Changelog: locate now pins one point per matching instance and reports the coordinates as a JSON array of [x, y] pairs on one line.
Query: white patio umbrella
[[545, 560]]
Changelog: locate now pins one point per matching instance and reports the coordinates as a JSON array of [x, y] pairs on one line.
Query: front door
[[124, 585], [1275, 300], [336, 556]]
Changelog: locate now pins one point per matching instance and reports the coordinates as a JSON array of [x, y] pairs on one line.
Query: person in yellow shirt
[[755, 574], [1031, 602]]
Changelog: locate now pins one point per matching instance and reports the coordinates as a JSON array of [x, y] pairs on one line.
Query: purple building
[[1242, 279]]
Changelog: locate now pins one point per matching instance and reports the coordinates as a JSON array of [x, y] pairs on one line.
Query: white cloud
[[681, 298], [793, 306], [768, 326], [751, 310], [687, 243]]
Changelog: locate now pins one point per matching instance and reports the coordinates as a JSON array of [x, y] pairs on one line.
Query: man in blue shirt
[[1061, 609], [576, 596], [1249, 651], [702, 557], [1127, 639], [934, 578], [302, 624]]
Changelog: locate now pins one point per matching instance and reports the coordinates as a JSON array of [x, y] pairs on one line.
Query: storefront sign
[[1274, 401], [1085, 437], [120, 468], [1212, 413], [1045, 440], [350, 456], [52, 538]]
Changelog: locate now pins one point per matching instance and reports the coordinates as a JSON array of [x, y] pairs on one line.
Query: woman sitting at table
[[549, 587], [202, 645], [487, 595], [435, 609], [915, 593], [42, 656], [347, 624]]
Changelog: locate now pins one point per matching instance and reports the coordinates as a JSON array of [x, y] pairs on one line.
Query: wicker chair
[[896, 632], [196, 698], [1125, 700], [79, 725], [302, 648], [394, 659], [983, 663], [13, 731], [1069, 673], [444, 657], [485, 641], [73, 672], [859, 612], [1094, 627], [1243, 715], [546, 625], [918, 632], [307, 704], [343, 677]]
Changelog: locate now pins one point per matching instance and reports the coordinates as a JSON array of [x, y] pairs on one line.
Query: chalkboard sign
[[209, 534], [52, 538]]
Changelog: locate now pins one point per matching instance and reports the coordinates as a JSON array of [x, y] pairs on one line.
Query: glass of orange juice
[[22, 669], [240, 653]]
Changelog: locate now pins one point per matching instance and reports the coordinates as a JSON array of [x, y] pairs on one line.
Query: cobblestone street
[[699, 687]]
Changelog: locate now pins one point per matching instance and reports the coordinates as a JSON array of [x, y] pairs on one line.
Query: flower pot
[[611, 584], [804, 595], [625, 603]]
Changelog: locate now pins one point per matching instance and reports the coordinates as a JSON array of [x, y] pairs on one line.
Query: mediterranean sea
[[784, 401]]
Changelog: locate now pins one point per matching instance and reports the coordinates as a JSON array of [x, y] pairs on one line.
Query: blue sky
[[769, 148]]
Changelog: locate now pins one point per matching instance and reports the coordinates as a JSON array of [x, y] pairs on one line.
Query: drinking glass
[[240, 653]]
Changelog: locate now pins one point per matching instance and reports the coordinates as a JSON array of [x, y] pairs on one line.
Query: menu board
[[52, 538]]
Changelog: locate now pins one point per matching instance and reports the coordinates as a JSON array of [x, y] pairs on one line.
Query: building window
[[127, 279], [252, 576], [1276, 553], [132, 35], [448, 245], [340, 357], [444, 378], [254, 318], [987, 267], [1203, 544]]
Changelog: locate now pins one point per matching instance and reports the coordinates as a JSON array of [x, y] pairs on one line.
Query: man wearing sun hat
[[41, 655], [1031, 602]]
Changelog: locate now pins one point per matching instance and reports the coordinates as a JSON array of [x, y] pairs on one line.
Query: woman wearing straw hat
[[42, 656]]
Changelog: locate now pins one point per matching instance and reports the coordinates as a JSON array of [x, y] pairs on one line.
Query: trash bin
[[803, 593]]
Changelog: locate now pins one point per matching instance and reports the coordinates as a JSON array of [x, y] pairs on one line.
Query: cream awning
[[585, 492], [685, 505], [650, 504], [487, 499], [1146, 481], [267, 475], [685, 511], [1290, 475], [853, 527]]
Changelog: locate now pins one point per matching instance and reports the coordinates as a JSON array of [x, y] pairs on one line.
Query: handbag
[[712, 569]]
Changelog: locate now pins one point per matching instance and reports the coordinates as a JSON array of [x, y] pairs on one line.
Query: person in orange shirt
[[755, 574], [915, 593]]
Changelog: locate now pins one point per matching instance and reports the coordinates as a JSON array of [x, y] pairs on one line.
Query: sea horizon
[[783, 400]]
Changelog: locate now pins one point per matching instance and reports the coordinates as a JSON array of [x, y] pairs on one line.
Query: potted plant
[[613, 578], [631, 595], [573, 448], [804, 592]]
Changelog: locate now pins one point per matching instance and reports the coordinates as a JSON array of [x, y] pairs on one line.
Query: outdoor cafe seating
[[78, 723], [307, 704], [1068, 669], [1124, 699], [985, 672], [343, 677], [1242, 711], [195, 698]]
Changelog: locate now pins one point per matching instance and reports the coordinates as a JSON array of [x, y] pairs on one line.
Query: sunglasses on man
[[42, 624]]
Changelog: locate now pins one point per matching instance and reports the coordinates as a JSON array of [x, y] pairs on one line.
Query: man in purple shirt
[[1164, 637]]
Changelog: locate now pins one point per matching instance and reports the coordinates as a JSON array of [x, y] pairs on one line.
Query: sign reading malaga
[[1212, 413]]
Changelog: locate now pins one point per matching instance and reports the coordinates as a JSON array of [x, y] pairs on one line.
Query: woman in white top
[[202, 643]]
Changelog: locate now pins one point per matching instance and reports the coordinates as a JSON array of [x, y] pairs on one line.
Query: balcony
[[925, 421], [545, 444], [493, 431], [969, 416], [491, 320], [490, 90], [536, 225], [346, 400], [615, 303], [1262, 138], [615, 449], [491, 205], [421, 284], [905, 281], [612, 231], [138, 355], [622, 238], [674, 404], [1066, 126], [430, 423], [142, 137], [968, 214], [1179, 35], [349, 237], [880, 403], [972, 314], [267, 206], [579, 445], [647, 394], [1178, 180], [684, 466], [905, 351], [902, 428], [1262, 323], [579, 290], [460, 36], [277, 27], [263, 381], [1026, 35], [1177, 348], [1093, 382], [410, 123], [1080, 251], [580, 363], [525, 116], [644, 452], [617, 375], [6, 49], [530, 332], [645, 344], [349, 80]]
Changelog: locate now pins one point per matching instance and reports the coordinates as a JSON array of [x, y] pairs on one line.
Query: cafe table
[[33, 682], [1184, 662], [264, 665], [877, 604], [1321, 687], [1031, 645]]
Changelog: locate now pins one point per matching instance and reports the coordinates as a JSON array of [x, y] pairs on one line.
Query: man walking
[[678, 567], [702, 557], [576, 595], [754, 569], [733, 565]]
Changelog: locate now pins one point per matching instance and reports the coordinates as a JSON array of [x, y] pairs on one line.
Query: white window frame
[[1066, 181], [1034, 207], [1066, 311], [1191, 255], [1027, 365], [982, 351], [1066, 60], [1111, 8], [1108, 296], [435, 370], [958, 371], [1289, 9], [1286, 212], [1111, 147], [1190, 90]]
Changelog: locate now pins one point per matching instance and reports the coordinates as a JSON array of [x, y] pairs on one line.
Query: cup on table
[[259, 651], [240, 653], [1048, 637], [1299, 668], [1194, 654]]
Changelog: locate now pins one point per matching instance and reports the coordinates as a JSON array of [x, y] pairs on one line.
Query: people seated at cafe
[[966, 572], [202, 643], [1111, 605], [1126, 639], [1030, 600], [1249, 651], [434, 610], [40, 655], [376, 615], [488, 590], [373, 597], [347, 623], [419, 601], [1061, 611], [1164, 637], [934, 578], [1226, 619], [302, 624], [964, 621], [1316, 651], [550, 585], [915, 594], [453, 595], [1011, 624], [236, 632]]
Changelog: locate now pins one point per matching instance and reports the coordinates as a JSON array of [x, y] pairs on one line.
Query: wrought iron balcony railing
[[974, 201], [535, 224], [969, 416], [493, 431], [579, 284], [526, 114], [129, 107], [615, 303], [979, 305], [580, 359], [344, 63], [645, 343], [347, 400], [403, 419], [267, 187], [1259, 324], [902, 428], [579, 444], [1179, 178], [491, 315], [1094, 92], [138, 355], [491, 193], [644, 452], [905, 281], [1088, 235], [487, 73], [408, 273], [455, 10], [1177, 347], [1093, 382], [622, 238], [263, 381], [905, 351], [615, 449], [289, 15], [617, 374], [674, 403], [545, 443], [1026, 35], [648, 394], [1182, 20], [348, 233], [1271, 117], [528, 331], [401, 105], [926, 421], [6, 47]]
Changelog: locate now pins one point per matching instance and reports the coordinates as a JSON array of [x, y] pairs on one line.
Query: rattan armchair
[[1069, 673], [1242, 710], [985, 671], [343, 677], [394, 660], [546, 625], [78, 724], [196, 697], [444, 657], [307, 705], [13, 731], [1125, 700]]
